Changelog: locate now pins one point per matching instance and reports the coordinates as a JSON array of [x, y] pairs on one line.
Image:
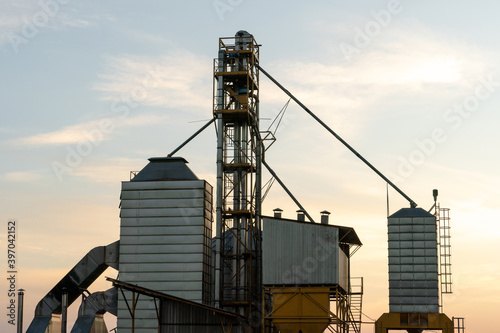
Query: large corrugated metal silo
[[165, 238]]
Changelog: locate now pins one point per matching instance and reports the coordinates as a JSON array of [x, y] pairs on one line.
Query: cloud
[[406, 67], [79, 19], [21, 176], [111, 171], [180, 79], [100, 129], [22, 21]]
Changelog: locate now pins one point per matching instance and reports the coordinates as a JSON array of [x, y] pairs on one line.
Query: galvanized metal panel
[[162, 203], [163, 194], [172, 222], [343, 270], [177, 317], [166, 276], [159, 248], [164, 185], [299, 253], [163, 267], [163, 239], [181, 229], [176, 288], [168, 212], [171, 257]]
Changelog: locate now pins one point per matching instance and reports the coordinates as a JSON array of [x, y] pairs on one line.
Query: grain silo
[[165, 237]]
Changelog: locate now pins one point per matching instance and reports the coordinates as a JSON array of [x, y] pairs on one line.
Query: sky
[[92, 89]]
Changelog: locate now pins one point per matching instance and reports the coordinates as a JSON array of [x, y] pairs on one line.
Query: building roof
[[346, 234]]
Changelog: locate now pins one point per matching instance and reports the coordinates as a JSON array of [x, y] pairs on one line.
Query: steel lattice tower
[[238, 244]]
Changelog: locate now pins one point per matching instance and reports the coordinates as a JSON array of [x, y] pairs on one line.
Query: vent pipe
[[64, 310], [324, 216], [277, 212], [300, 215], [20, 310]]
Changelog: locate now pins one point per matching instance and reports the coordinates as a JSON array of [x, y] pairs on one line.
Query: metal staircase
[[355, 304]]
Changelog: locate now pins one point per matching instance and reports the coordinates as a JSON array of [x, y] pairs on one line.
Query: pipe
[[412, 203], [191, 137], [219, 186]]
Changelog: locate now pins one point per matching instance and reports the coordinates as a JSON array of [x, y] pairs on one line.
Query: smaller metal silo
[[413, 275], [413, 262]]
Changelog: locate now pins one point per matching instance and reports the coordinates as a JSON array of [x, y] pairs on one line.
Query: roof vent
[[324, 216], [277, 212], [300, 215]]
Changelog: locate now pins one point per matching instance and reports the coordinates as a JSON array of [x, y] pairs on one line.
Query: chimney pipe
[[277, 212], [64, 310], [324, 216], [300, 215], [20, 310]]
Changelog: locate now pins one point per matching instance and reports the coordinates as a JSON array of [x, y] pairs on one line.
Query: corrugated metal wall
[[301, 254], [165, 244], [179, 317], [413, 267]]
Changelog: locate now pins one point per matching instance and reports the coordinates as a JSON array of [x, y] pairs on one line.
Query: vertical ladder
[[443, 222]]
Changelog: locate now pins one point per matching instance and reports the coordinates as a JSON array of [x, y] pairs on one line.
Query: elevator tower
[[238, 191]]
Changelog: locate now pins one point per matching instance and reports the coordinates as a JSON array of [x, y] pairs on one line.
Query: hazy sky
[[91, 89]]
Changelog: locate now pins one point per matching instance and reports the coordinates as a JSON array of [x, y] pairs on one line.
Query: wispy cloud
[[111, 171], [22, 21], [408, 64], [80, 19], [21, 176], [180, 80], [407, 60], [86, 131]]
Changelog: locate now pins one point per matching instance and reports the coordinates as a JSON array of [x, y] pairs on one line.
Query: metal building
[[306, 277], [303, 253]]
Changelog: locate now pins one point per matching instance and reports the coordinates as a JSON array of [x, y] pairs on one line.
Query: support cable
[[412, 203], [267, 186], [282, 113], [287, 190], [191, 137]]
